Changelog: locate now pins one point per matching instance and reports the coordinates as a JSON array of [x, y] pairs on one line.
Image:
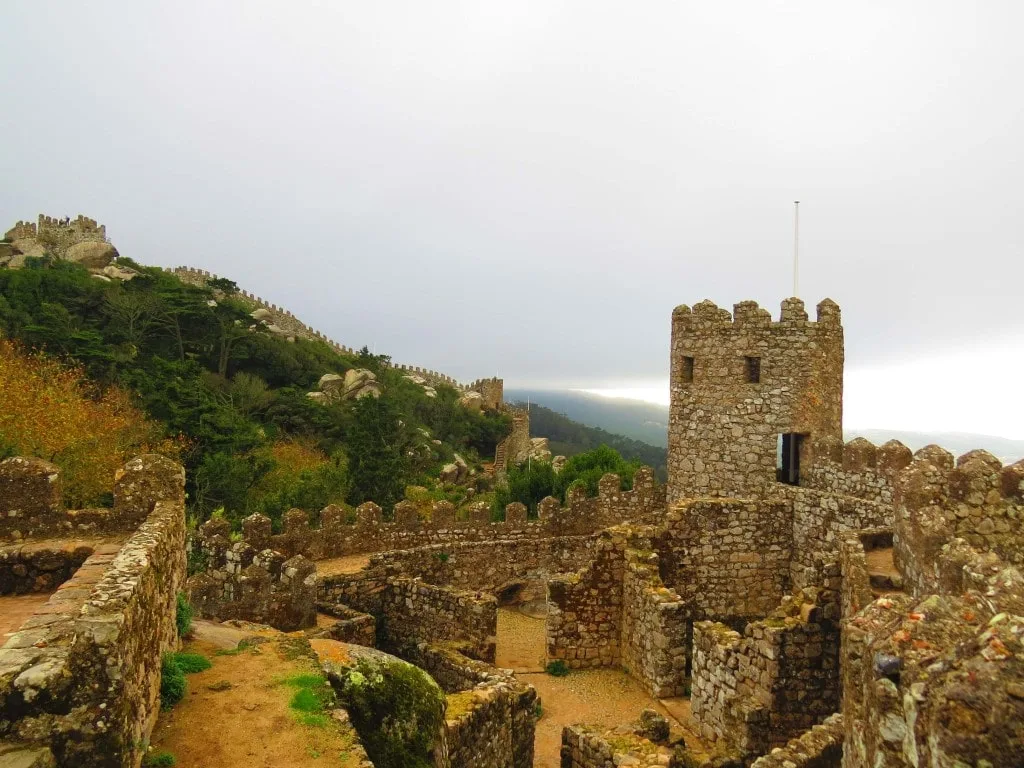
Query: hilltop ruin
[[802, 603]]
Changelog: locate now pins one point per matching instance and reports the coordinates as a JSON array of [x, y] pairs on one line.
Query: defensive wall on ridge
[[286, 321], [79, 680], [60, 234]]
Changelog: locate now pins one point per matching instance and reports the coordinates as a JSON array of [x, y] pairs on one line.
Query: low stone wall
[[240, 582], [820, 747], [584, 622], [40, 566], [758, 689], [978, 500], [416, 612], [490, 717], [858, 468], [352, 626], [490, 566], [728, 559], [31, 507], [656, 626], [588, 747], [81, 677], [340, 533], [820, 523]]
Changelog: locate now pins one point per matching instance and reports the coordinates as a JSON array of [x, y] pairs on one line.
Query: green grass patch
[[312, 699], [161, 759], [190, 663]]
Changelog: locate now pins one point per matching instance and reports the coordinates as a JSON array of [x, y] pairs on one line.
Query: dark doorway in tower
[[788, 464]]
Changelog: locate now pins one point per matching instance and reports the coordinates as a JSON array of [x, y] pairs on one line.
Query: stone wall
[[351, 626], [40, 566], [59, 234], [81, 677], [723, 429], [589, 747], [728, 559], [519, 565], [339, 534], [416, 612], [241, 582], [759, 689], [858, 468], [584, 622], [492, 390], [489, 722], [820, 522], [656, 625], [938, 679], [977, 499], [820, 747], [31, 506]]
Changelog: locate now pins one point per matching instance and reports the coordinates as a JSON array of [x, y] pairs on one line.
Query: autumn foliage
[[51, 410]]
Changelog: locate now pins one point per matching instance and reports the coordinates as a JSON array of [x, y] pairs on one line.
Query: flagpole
[[796, 248]]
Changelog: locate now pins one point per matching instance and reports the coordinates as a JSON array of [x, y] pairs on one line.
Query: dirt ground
[[249, 724], [606, 697], [15, 610], [879, 561]]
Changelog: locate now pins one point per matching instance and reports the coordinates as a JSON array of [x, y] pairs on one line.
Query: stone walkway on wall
[[346, 564], [16, 609], [600, 697]]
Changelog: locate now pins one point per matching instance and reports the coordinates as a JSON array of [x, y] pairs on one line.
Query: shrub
[[183, 615], [160, 759], [172, 682], [557, 668], [190, 663], [54, 412]]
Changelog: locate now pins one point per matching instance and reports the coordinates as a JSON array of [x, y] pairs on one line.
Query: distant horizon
[[967, 391]]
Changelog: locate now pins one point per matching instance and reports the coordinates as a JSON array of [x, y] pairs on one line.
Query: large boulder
[[117, 272], [360, 382], [93, 254], [260, 314], [29, 246], [474, 401], [397, 708]]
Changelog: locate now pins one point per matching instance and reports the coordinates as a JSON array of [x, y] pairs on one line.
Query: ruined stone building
[[813, 603]]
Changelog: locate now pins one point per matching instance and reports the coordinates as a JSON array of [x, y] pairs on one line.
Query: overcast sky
[[528, 188]]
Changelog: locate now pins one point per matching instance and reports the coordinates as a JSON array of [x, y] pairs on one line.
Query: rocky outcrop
[[92, 254], [455, 472], [472, 401], [356, 383]]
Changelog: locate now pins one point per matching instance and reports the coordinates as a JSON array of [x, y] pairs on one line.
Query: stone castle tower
[[748, 395]]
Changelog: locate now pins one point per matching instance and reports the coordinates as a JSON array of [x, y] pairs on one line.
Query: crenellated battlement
[[939, 501], [749, 314], [56, 235], [283, 322], [857, 468], [344, 532]]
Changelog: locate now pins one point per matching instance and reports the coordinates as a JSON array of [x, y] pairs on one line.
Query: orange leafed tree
[[52, 411]]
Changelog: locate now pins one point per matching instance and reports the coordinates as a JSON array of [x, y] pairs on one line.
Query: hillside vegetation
[[568, 438], [234, 396]]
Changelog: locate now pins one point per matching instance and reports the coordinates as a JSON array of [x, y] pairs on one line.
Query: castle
[[813, 603]]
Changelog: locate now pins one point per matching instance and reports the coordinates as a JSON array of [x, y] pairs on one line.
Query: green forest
[[233, 398]]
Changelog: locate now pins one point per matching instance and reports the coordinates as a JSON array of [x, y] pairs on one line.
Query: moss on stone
[[397, 708]]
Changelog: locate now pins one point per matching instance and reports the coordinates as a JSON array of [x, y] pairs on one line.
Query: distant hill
[[648, 422], [642, 421], [567, 438]]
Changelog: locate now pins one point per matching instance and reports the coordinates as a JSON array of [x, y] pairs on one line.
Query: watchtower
[[748, 395]]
